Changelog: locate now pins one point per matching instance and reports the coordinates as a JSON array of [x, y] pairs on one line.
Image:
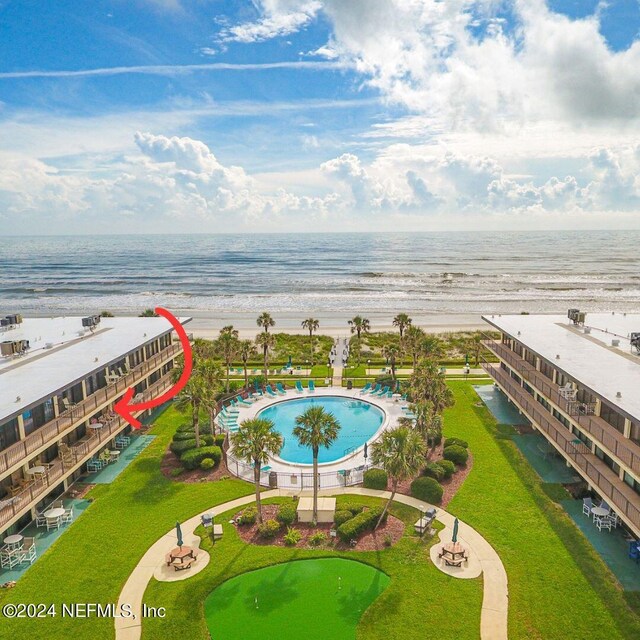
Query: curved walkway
[[495, 600]]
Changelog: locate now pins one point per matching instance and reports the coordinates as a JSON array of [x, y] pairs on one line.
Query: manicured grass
[[558, 586], [418, 594], [278, 601], [92, 560]]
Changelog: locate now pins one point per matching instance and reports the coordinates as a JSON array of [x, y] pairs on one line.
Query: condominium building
[[577, 380], [59, 381]]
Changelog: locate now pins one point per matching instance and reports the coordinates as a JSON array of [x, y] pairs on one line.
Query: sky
[[156, 116]]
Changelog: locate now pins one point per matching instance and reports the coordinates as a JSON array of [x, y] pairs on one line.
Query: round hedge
[[434, 470], [269, 529], [354, 507], [456, 453], [286, 513], [207, 464], [451, 441], [341, 516], [427, 489], [375, 479], [184, 435], [248, 516], [219, 439], [192, 458], [448, 467], [181, 446]]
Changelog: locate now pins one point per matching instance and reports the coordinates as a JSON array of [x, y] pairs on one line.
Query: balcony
[[621, 497], [77, 454], [53, 430], [582, 413]]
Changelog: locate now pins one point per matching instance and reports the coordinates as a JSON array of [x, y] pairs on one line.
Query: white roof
[[587, 358], [75, 353]]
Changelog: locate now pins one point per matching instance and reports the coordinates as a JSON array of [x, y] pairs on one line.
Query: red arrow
[[124, 407]]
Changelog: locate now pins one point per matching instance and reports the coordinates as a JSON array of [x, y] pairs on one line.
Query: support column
[[627, 428]]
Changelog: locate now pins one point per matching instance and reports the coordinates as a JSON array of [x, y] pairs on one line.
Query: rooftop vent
[[557, 356], [91, 322], [12, 320], [587, 330], [618, 394], [634, 339], [576, 316], [615, 342]]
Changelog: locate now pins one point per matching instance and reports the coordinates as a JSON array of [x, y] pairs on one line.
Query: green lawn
[[92, 560], [417, 593], [558, 586]]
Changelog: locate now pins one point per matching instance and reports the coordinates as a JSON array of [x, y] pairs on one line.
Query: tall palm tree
[[401, 453], [413, 338], [211, 373], [316, 428], [474, 344], [246, 349], [391, 353], [402, 321], [427, 383], [254, 441], [228, 347], [265, 321], [192, 397], [359, 325], [202, 349], [266, 341], [311, 325]]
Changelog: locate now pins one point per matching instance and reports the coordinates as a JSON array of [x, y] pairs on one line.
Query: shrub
[[364, 521], [427, 489], [269, 529], [317, 539], [248, 516], [180, 446], [448, 467], [375, 479], [434, 470], [219, 439], [456, 453], [207, 464], [286, 513], [193, 457], [292, 537], [342, 516], [185, 427], [207, 440], [388, 540], [354, 507], [451, 441], [174, 473], [184, 435]]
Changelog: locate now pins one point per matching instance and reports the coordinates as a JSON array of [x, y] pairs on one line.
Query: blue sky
[[396, 115]]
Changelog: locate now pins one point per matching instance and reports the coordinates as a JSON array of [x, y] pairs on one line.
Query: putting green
[[310, 599]]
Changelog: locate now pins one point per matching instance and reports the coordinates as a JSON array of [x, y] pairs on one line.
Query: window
[[9, 433], [611, 416], [634, 484], [635, 432], [547, 370]]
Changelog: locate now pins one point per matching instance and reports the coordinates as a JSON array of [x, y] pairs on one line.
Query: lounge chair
[[375, 390], [28, 551], [271, 392], [380, 392], [299, 387], [312, 386], [280, 389], [365, 389], [240, 401]]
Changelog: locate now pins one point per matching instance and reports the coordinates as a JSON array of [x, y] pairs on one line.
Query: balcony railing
[[53, 429], [582, 413], [621, 497], [78, 453]]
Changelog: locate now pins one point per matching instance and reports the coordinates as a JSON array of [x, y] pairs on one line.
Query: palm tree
[[311, 325], [402, 321], [359, 325], [192, 397], [427, 383], [211, 373], [391, 353], [254, 442], [202, 349], [266, 341], [316, 428], [246, 350], [431, 347], [413, 342], [229, 330], [401, 453], [428, 423], [227, 346], [474, 344], [265, 321]]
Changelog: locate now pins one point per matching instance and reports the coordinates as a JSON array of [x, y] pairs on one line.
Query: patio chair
[[58, 504], [8, 559], [28, 551], [603, 505], [41, 521], [299, 387], [53, 523], [587, 504], [365, 389], [603, 523], [206, 519], [271, 392], [634, 551], [312, 386], [67, 518], [280, 389], [613, 519]]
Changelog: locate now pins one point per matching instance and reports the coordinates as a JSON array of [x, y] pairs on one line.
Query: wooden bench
[[178, 566]]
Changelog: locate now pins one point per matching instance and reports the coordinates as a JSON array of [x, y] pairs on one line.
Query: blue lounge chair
[[634, 551], [271, 392], [375, 390], [280, 389], [382, 392], [312, 386], [299, 387], [365, 389], [239, 401]]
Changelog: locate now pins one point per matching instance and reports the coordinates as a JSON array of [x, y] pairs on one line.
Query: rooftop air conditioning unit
[[572, 313], [634, 339], [615, 342], [13, 347], [581, 316], [14, 318], [91, 322], [4, 322]]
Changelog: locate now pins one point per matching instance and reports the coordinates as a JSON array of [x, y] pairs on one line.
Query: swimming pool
[[358, 420]]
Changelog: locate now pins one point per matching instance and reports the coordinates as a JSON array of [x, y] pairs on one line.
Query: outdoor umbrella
[[454, 538], [179, 534], [366, 449]]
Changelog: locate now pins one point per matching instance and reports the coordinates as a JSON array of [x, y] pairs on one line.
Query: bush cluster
[[317, 539], [456, 453], [451, 441], [286, 513], [292, 537], [180, 446], [448, 467], [375, 479], [207, 464], [269, 529], [354, 507], [248, 516], [218, 440], [341, 516], [434, 470], [364, 521], [427, 489], [184, 435], [193, 457]]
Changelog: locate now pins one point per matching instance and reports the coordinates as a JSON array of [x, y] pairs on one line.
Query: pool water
[[359, 421]]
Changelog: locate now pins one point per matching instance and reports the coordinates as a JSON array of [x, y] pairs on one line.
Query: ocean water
[[424, 272]]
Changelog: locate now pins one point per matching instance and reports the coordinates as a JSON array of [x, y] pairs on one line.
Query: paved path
[[339, 346], [495, 600]]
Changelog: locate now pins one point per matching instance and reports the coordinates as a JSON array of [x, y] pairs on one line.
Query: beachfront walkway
[[495, 600]]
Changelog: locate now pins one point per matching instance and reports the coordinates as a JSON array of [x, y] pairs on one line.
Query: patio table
[[37, 471], [114, 454], [54, 514], [14, 542], [599, 512]]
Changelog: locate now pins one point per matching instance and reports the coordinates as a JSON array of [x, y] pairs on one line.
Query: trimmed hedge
[[451, 441], [269, 529], [448, 467], [434, 470], [427, 489], [375, 479], [207, 464], [365, 521], [184, 435], [193, 457], [456, 453], [181, 446], [341, 516], [248, 516], [354, 507], [219, 439], [286, 513]]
